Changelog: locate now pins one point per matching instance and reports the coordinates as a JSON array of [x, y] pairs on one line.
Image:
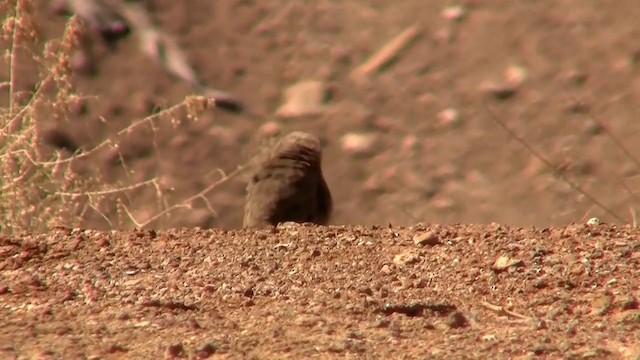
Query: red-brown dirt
[[358, 288], [294, 291]]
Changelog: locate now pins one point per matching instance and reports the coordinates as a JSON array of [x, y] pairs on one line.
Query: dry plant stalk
[[38, 189], [387, 53], [560, 173], [26, 201]]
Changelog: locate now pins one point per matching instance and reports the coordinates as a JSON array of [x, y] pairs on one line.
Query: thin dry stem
[[190, 199], [12, 59], [110, 191], [556, 170]]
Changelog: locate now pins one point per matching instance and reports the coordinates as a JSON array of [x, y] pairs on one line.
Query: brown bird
[[288, 185]]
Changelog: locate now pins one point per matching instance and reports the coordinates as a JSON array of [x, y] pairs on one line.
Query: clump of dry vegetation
[[41, 188], [31, 179]]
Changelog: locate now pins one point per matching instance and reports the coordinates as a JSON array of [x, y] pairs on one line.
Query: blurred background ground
[[436, 155]]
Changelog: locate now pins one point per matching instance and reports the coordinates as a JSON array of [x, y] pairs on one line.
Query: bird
[[288, 185]]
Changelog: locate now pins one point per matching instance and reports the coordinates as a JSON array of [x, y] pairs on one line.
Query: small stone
[[406, 258], [453, 13], [174, 351], [206, 350], [515, 75], [448, 117], [269, 129], [358, 144], [303, 99], [426, 238], [629, 303], [386, 269], [504, 262], [514, 78], [601, 304], [248, 292], [457, 320], [498, 91], [594, 221]]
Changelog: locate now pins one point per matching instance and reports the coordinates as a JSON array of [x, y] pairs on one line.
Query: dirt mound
[[296, 291]]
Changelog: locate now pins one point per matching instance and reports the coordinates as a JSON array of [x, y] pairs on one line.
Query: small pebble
[[504, 262], [206, 350], [406, 258], [453, 13], [426, 238], [448, 117], [303, 99], [174, 351], [269, 129], [515, 75], [358, 144]]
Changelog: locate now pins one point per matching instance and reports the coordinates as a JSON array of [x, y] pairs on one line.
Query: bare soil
[[296, 291], [421, 168], [360, 288]]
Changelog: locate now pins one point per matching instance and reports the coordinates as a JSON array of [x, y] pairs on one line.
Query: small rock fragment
[[457, 320], [515, 75], [629, 303], [601, 304], [448, 117], [426, 238], [206, 350], [499, 91], [269, 129], [174, 351], [302, 99], [358, 144], [453, 13], [504, 262], [514, 78], [594, 221], [406, 258], [386, 269]]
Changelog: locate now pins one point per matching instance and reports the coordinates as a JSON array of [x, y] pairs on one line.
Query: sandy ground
[[295, 291], [428, 291], [424, 165]]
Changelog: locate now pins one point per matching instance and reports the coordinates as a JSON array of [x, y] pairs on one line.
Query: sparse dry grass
[[39, 188], [29, 178]]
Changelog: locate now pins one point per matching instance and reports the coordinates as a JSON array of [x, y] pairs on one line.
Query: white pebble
[[356, 143]]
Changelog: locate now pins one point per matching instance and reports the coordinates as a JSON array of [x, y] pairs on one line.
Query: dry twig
[[387, 53]]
